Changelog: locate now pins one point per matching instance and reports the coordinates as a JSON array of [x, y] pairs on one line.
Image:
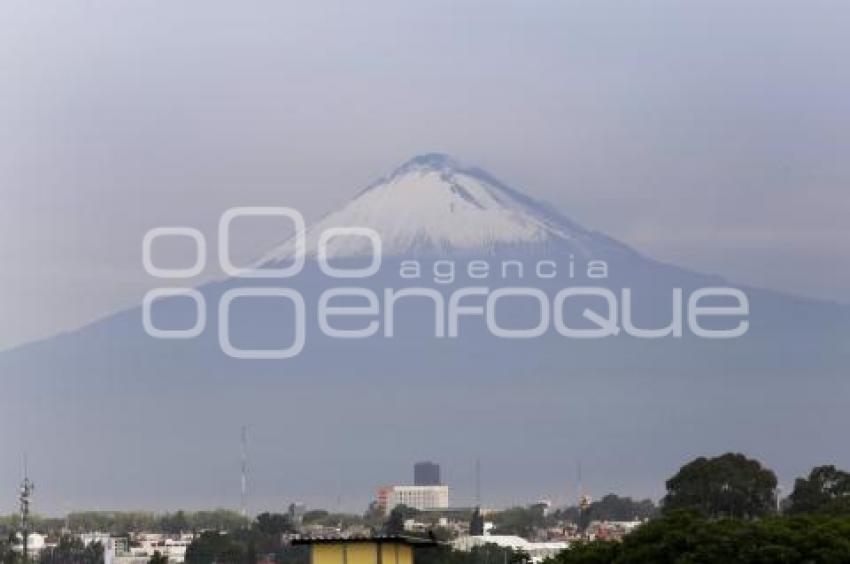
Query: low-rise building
[[362, 550], [418, 497], [36, 542]]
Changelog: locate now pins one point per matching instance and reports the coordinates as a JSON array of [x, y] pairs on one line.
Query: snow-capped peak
[[433, 204]]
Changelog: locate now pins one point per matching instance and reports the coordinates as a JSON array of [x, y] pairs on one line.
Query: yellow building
[[363, 550]]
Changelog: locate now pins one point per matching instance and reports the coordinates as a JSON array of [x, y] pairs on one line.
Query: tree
[[826, 490], [72, 550], [476, 523], [7, 555], [245, 546], [314, 516], [685, 536], [121, 523], [596, 552], [615, 508], [175, 523], [158, 558], [730, 485], [211, 546], [520, 521], [274, 524], [394, 525], [374, 515]]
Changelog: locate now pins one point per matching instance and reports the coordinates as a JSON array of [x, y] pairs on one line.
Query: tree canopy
[[394, 525], [826, 490], [730, 485], [72, 550], [685, 536], [615, 508], [521, 521], [274, 524]]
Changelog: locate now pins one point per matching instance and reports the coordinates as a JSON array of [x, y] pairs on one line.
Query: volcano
[[111, 417]]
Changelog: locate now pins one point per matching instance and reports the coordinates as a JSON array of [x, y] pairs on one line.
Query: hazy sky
[[711, 134]]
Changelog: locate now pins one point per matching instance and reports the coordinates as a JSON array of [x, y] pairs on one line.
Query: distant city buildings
[[426, 474], [139, 548]]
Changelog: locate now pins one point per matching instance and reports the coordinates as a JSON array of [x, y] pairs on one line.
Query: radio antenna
[[244, 498]]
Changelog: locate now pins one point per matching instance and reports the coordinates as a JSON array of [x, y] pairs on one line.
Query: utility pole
[[244, 507], [27, 488]]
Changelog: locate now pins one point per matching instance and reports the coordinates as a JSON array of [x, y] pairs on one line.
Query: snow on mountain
[[433, 204]]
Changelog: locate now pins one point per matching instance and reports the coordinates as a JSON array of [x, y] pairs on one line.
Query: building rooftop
[[378, 539]]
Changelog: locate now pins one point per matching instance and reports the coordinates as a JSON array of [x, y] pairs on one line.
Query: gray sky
[[710, 134]]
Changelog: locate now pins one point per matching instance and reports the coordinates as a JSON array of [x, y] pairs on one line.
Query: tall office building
[[426, 474]]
